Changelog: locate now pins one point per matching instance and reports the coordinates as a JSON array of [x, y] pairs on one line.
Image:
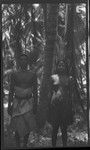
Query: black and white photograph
[[45, 75]]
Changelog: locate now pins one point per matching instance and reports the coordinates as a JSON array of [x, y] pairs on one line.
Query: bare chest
[[23, 79]]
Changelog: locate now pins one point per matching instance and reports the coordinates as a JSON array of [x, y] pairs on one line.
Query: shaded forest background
[[27, 28]]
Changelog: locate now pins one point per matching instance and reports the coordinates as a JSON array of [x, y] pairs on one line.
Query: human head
[[61, 67], [23, 61]]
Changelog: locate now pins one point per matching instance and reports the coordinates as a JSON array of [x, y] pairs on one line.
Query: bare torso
[[23, 79], [23, 84]]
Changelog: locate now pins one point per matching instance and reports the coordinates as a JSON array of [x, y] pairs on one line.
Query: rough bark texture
[[18, 48], [70, 47], [50, 26]]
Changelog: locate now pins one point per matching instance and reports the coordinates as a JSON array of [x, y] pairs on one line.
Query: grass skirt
[[23, 120], [60, 112], [24, 123]]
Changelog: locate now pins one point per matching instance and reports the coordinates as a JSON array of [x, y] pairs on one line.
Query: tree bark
[[50, 26], [18, 48], [70, 48]]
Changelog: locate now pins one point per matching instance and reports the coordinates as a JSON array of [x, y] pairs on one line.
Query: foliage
[[18, 34], [23, 29]]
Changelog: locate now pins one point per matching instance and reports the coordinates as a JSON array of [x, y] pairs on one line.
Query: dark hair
[[65, 63], [23, 55]]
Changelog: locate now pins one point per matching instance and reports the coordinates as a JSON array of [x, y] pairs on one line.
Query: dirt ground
[[77, 135]]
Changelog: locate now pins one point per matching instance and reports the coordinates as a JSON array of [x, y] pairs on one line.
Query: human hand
[[34, 109], [9, 110]]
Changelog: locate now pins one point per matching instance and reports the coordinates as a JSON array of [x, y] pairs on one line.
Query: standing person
[[23, 102], [60, 109]]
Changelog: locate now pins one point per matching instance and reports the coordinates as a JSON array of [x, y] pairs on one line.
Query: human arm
[[35, 94], [11, 93]]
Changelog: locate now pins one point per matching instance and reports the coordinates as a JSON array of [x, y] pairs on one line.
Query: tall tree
[[70, 49], [51, 30]]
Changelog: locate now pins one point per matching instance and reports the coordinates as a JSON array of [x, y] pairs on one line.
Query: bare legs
[[64, 135], [21, 142], [17, 140], [54, 134]]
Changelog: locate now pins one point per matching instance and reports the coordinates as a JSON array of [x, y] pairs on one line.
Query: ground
[[77, 134]]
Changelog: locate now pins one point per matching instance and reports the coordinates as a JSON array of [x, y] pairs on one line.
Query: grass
[[77, 134]]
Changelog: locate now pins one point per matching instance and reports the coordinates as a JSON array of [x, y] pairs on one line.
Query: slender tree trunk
[[33, 26], [66, 17], [71, 49], [18, 48], [36, 51], [50, 27]]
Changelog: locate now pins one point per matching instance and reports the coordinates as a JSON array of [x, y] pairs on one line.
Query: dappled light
[[27, 29]]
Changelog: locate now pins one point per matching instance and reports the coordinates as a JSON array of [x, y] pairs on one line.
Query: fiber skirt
[[61, 112], [23, 120], [23, 124]]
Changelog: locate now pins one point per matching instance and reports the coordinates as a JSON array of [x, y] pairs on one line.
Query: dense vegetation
[[31, 29]]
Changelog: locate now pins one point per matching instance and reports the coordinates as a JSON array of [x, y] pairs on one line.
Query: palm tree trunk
[[18, 48], [33, 25], [71, 49], [50, 26]]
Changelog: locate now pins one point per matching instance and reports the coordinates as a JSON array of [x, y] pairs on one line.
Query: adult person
[[60, 108], [23, 101]]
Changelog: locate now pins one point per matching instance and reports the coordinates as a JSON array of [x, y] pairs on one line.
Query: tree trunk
[[33, 26], [36, 50], [50, 28], [18, 48], [70, 48]]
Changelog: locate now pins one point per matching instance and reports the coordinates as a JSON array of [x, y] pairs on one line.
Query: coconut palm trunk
[[50, 28], [70, 48]]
